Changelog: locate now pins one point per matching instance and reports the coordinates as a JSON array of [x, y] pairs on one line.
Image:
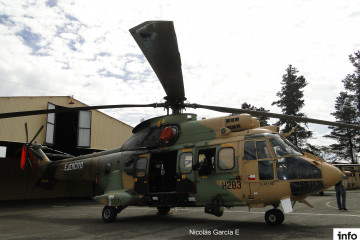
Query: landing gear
[[274, 217], [163, 210], [109, 213], [214, 209]]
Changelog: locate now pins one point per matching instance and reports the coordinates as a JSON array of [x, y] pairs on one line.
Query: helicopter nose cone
[[330, 175]]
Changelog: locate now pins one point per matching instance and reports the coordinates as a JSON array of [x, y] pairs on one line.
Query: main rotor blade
[[275, 115], [61, 110], [157, 41]]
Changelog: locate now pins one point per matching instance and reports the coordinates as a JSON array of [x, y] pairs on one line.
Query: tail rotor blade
[[26, 132], [38, 132], [23, 157]]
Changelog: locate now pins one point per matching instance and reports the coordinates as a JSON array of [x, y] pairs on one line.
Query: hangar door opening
[[68, 131]]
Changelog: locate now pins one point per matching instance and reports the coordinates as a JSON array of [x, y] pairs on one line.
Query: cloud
[[231, 52]]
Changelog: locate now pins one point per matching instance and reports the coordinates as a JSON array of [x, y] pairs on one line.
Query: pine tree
[[291, 101], [352, 81], [352, 85], [263, 120], [345, 111]]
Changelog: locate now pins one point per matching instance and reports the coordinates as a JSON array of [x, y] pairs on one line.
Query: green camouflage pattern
[[230, 183]]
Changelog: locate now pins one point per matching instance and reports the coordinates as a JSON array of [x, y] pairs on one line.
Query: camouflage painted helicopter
[[178, 161]]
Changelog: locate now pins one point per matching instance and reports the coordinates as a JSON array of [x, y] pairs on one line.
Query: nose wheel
[[109, 213], [274, 217]]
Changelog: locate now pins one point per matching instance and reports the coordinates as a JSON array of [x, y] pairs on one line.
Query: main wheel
[[218, 211], [109, 214], [274, 217], [163, 210]]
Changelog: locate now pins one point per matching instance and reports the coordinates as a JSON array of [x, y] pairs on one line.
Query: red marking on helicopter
[[167, 134]]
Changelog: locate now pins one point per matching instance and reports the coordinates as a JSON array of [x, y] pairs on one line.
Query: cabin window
[[266, 170], [290, 168], [186, 162], [141, 166], [226, 158]]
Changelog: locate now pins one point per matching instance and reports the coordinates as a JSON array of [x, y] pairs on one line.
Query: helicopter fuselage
[[215, 163]]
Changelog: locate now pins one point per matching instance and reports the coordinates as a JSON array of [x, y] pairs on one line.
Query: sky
[[231, 51]]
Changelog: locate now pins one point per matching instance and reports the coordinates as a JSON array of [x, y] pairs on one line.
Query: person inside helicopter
[[206, 161]]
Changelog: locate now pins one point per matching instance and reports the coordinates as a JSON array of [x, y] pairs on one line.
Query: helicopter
[[176, 160]]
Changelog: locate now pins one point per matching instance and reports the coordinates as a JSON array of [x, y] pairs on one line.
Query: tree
[[291, 101], [263, 120], [345, 111], [352, 81]]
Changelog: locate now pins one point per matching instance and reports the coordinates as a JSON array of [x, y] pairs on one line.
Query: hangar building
[[74, 133]]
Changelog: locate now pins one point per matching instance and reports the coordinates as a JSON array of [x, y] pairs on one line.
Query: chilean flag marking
[[251, 177]]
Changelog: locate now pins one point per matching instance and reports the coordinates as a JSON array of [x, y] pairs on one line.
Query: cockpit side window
[[259, 150], [283, 147], [249, 150], [262, 150], [256, 150]]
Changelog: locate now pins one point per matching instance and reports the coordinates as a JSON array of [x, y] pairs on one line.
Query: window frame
[[84, 128], [49, 123]]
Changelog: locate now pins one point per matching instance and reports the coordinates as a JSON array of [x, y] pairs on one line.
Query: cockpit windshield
[[282, 147]]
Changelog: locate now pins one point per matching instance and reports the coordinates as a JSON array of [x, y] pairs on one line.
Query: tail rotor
[[26, 153]]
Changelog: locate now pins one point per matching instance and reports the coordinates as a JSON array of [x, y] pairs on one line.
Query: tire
[[163, 210], [219, 211], [109, 214], [274, 217]]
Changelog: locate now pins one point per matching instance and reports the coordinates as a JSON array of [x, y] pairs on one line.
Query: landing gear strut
[[109, 213], [274, 217]]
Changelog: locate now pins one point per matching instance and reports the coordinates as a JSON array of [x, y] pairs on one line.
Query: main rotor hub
[[176, 105]]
